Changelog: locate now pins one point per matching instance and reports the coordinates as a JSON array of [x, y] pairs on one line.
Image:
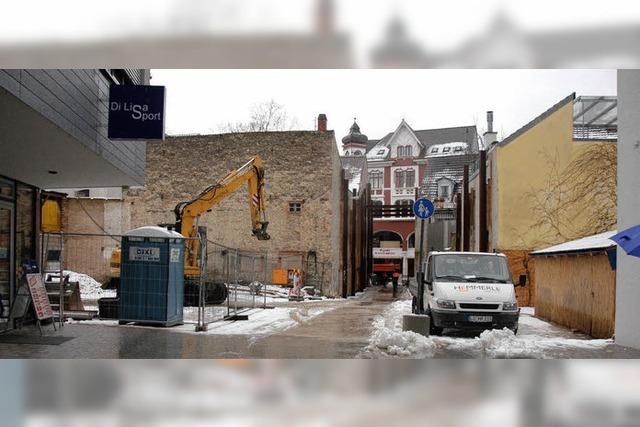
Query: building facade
[[527, 167], [53, 134], [397, 165]]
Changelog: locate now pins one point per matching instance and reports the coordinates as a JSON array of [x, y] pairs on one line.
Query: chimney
[[489, 137], [322, 122]]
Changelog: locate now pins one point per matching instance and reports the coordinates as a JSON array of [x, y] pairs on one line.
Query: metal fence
[[230, 284]]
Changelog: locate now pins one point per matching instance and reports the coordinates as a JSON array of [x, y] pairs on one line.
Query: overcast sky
[[200, 101]]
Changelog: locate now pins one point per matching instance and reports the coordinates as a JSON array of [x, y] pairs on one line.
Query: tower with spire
[[355, 143]]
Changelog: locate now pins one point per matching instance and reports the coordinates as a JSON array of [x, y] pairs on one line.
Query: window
[[82, 193], [446, 149], [400, 151], [457, 149], [434, 150], [376, 179], [295, 207], [399, 179], [408, 151], [443, 191], [380, 152], [357, 153], [410, 178]]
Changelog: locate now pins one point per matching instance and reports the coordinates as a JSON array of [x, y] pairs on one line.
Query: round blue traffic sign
[[423, 208]]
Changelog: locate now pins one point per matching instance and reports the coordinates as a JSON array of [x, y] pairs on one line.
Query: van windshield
[[471, 267]]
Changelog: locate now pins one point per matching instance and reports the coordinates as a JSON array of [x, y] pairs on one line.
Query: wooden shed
[[576, 284]]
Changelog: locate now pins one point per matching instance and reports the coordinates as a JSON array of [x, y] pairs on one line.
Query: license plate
[[480, 319]]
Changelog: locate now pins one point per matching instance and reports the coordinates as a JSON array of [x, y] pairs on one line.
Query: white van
[[468, 290]]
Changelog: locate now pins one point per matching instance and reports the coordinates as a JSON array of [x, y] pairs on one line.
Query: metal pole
[[235, 282], [61, 297], [266, 278], [420, 275], [253, 275]]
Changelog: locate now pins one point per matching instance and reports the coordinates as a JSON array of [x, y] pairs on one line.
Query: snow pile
[[502, 343], [90, 288], [388, 337]]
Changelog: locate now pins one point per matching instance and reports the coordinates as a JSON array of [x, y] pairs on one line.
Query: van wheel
[[433, 329]]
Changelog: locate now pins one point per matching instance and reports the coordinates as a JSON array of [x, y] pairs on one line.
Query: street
[[366, 326]]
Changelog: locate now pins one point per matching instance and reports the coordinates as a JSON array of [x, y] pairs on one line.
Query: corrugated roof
[[596, 242]]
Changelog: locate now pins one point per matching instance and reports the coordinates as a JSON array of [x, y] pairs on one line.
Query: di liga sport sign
[[136, 112]]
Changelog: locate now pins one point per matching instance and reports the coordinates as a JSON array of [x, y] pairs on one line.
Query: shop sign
[[388, 253], [39, 296], [136, 112]]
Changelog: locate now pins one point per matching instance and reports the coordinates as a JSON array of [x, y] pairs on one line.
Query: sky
[[201, 101]]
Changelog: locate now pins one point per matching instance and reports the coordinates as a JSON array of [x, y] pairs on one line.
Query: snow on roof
[[378, 153], [448, 149], [154, 231], [595, 242]]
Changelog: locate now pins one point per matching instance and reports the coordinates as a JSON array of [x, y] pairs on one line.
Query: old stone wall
[[300, 166]]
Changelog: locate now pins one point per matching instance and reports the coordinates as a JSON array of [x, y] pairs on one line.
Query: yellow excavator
[[188, 212]]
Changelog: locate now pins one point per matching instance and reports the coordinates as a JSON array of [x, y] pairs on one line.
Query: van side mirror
[[429, 284], [522, 280]]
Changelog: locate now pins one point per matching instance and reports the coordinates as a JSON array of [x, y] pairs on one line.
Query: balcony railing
[[392, 211]]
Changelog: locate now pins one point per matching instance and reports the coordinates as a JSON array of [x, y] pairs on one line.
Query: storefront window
[[25, 227]]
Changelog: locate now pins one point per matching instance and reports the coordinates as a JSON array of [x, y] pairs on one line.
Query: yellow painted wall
[[523, 166]]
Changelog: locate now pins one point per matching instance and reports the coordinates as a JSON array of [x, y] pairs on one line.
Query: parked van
[[468, 290]]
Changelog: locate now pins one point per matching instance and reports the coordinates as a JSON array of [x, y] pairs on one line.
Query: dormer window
[[380, 152], [458, 148], [434, 150], [446, 149]]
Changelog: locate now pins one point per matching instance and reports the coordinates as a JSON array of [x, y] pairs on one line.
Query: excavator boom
[[187, 213]]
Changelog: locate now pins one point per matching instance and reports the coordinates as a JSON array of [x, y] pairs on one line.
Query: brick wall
[[300, 166]]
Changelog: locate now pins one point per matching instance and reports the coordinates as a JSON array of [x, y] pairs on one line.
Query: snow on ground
[[261, 322], [90, 288], [537, 339]]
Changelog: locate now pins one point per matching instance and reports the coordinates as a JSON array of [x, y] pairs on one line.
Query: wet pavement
[[338, 333], [341, 332]]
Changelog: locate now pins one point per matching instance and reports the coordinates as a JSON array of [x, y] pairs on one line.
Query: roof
[[538, 119], [430, 137], [448, 149], [450, 167], [595, 118], [595, 243], [154, 231]]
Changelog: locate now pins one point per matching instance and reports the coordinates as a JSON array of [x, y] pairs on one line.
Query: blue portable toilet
[[152, 276]]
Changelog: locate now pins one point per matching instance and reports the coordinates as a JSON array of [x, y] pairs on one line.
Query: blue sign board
[[136, 112], [423, 208]]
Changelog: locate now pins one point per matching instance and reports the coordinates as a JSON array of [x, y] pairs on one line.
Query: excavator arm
[[187, 213]]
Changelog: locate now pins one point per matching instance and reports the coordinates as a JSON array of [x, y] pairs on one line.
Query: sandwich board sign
[[39, 296]]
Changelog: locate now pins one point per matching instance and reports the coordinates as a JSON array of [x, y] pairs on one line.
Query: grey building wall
[[77, 102], [628, 268]]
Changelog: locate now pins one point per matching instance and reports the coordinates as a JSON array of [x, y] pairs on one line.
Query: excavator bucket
[[261, 233]]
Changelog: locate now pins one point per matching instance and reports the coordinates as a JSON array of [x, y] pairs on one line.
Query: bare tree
[[580, 199], [265, 117]]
